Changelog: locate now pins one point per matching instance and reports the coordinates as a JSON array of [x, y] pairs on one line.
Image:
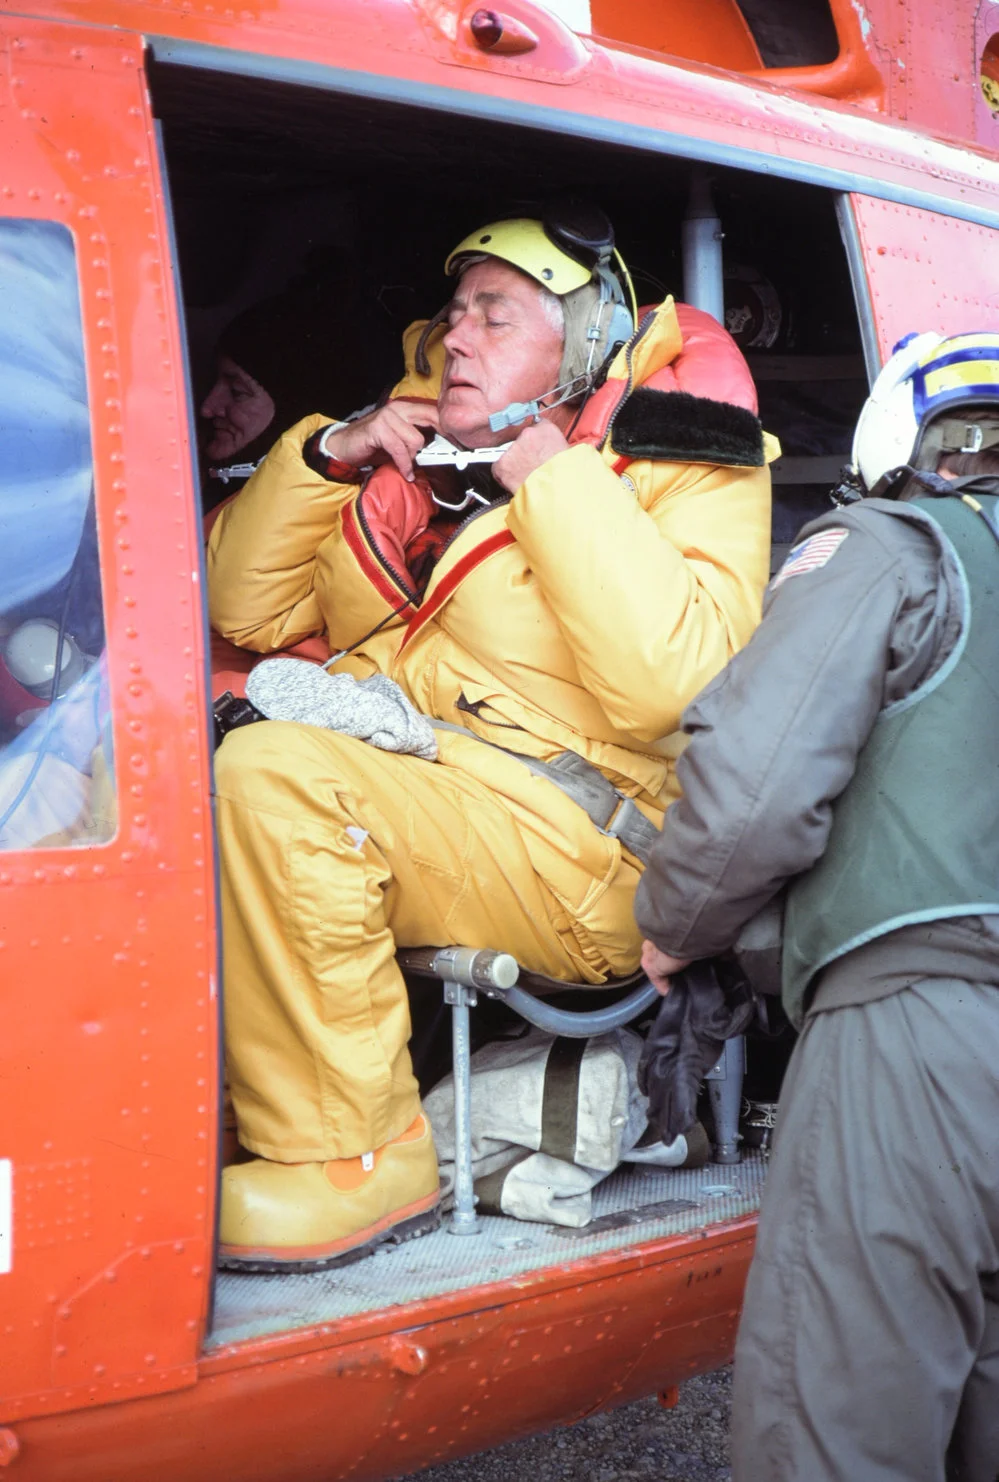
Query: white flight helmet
[[928, 377]]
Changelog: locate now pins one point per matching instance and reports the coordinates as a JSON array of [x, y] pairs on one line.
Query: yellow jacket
[[583, 614]]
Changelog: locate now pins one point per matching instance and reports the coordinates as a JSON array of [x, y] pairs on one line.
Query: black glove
[[695, 1019]]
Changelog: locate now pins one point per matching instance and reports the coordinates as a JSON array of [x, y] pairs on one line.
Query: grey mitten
[[373, 709]]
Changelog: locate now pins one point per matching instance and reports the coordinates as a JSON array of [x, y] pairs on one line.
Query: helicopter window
[[743, 35], [792, 33], [988, 75], [258, 168], [56, 773]]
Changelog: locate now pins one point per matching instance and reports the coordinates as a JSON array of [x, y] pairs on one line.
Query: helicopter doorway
[[262, 172]]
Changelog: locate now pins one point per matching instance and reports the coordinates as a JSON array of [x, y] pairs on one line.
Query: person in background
[[276, 362], [849, 756], [239, 411]]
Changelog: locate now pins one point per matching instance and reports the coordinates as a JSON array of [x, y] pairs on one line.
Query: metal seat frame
[[465, 972]]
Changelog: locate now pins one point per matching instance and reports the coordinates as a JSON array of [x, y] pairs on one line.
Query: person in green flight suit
[[847, 760]]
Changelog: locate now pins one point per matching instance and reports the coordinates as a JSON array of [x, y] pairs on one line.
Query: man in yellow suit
[[592, 580]]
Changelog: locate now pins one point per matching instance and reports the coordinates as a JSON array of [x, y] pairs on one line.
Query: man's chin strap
[[474, 465]]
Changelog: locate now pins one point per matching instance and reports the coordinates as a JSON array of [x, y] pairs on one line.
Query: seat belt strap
[[610, 810]]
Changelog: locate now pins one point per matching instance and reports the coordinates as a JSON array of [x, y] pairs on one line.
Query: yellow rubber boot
[[306, 1216]]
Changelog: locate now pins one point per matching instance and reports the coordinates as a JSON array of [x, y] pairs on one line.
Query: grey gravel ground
[[686, 1444]]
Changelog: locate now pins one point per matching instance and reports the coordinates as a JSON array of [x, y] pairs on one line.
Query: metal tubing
[[703, 274], [464, 1220], [579, 1026]]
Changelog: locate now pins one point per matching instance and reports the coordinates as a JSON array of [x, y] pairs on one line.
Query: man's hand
[[660, 966], [538, 442], [392, 432]]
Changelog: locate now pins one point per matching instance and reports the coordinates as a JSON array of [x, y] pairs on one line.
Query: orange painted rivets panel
[[10, 1447], [669, 1398]]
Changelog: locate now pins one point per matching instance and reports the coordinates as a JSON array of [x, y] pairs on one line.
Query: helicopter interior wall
[[265, 176], [261, 174]]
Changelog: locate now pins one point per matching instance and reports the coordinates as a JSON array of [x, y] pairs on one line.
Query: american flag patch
[[811, 554]]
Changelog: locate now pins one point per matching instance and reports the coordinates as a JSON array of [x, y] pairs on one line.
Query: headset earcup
[[622, 326]]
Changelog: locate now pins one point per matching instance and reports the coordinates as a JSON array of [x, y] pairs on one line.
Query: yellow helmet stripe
[[961, 343], [961, 374]]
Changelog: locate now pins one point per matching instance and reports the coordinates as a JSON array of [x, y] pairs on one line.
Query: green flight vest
[[915, 835]]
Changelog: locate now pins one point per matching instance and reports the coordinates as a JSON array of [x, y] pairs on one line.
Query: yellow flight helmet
[[524, 244], [571, 249]]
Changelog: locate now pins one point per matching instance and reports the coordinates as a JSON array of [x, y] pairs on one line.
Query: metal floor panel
[[631, 1207]]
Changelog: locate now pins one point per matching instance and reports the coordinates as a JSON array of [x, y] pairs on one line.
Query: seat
[[465, 972]]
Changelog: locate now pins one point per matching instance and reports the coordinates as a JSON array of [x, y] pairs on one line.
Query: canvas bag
[[551, 1117]]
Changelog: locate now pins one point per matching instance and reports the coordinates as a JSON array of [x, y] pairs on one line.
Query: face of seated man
[[503, 344], [238, 408]]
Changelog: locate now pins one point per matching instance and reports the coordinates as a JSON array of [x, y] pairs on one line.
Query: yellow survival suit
[[582, 614]]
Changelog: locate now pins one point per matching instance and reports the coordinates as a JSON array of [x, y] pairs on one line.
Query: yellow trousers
[[334, 853]]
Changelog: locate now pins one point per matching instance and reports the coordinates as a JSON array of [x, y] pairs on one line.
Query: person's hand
[[538, 442], [393, 432], [660, 966]]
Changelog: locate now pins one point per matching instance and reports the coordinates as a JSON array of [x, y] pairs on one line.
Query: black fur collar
[[680, 428]]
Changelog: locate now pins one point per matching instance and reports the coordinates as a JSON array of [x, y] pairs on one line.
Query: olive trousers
[[333, 854], [869, 1344]]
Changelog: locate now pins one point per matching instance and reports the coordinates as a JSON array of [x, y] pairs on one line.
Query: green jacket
[[915, 836], [872, 621]]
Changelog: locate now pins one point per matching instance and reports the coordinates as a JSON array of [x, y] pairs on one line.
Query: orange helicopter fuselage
[[109, 1056]]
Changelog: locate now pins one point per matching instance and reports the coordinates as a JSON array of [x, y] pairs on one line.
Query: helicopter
[[820, 176]]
